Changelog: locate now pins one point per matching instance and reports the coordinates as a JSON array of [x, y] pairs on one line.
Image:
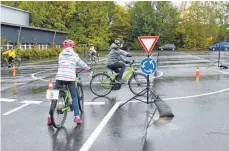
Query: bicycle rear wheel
[[137, 83], [58, 113], [100, 84], [80, 97]]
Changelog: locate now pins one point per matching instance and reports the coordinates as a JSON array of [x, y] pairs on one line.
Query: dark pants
[[116, 66], [72, 88], [10, 59]]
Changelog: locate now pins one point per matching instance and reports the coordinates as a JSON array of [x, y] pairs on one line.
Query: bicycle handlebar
[[132, 63], [79, 71]]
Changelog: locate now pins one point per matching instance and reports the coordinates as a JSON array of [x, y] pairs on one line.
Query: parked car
[[168, 47], [220, 46]]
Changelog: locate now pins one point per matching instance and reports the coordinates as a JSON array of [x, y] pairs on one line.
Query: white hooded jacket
[[67, 61]]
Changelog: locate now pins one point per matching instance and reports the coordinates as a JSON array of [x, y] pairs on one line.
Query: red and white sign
[[148, 42]]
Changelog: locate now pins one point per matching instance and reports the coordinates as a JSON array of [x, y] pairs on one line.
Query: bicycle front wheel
[[137, 83], [58, 112], [80, 97], [100, 84]]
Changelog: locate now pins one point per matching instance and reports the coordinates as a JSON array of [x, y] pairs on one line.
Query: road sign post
[[148, 67]]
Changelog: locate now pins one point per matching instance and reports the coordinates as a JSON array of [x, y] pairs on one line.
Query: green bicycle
[[5, 63], [102, 84], [62, 102]]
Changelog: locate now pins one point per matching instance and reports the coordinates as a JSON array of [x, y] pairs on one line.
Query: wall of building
[[14, 16], [27, 35]]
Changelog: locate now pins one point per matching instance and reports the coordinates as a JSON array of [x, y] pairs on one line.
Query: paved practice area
[[200, 109]]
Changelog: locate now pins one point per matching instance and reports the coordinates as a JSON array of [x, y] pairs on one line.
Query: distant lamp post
[[181, 34], [84, 50]]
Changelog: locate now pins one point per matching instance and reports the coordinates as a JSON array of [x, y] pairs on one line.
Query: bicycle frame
[[128, 72], [68, 94]]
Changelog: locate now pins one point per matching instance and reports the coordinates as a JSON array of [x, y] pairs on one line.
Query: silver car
[[168, 47]]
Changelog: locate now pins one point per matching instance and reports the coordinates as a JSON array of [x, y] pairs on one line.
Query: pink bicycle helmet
[[68, 43]]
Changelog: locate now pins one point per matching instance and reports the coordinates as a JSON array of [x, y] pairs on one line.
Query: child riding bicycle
[[10, 56], [115, 60], [92, 52], [66, 75]]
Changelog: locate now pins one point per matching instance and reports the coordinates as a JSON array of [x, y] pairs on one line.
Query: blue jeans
[[72, 88]]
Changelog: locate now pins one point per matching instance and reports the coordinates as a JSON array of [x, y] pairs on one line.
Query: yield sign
[[148, 42]]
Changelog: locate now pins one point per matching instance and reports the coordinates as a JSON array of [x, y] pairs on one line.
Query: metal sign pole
[[148, 66]]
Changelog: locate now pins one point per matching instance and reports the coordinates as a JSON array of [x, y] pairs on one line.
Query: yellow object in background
[[10, 53]]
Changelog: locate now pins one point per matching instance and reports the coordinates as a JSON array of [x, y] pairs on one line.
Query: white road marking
[[18, 108], [91, 103], [31, 102], [224, 72], [41, 78], [7, 100], [33, 76], [195, 96], [199, 95], [94, 103], [87, 145]]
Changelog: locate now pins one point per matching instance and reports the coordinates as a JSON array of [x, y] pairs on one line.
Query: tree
[[52, 15], [167, 22], [143, 22], [120, 25], [91, 24]]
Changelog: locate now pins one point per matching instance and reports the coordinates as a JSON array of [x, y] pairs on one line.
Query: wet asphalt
[[200, 108]]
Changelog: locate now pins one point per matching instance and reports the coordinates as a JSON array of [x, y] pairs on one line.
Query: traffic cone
[[14, 70], [197, 73], [50, 85]]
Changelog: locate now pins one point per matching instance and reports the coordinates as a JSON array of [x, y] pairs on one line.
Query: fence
[[29, 46]]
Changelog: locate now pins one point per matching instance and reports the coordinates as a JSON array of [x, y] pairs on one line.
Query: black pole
[[147, 89]]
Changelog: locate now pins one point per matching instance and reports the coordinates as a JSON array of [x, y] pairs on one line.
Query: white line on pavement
[[87, 145], [195, 96], [199, 95], [33, 76], [7, 100], [94, 103], [31, 102], [91, 103], [11, 111]]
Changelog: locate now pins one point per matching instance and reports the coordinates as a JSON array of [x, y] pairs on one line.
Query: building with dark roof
[[15, 28]]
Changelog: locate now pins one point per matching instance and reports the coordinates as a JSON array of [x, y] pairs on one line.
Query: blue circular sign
[[148, 66]]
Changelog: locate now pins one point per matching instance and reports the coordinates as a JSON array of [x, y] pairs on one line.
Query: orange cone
[[197, 73], [14, 70], [50, 85]]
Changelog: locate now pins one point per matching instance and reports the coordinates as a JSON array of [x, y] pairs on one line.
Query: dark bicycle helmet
[[119, 41]]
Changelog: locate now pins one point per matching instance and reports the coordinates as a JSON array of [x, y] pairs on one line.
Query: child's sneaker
[[49, 121], [78, 120]]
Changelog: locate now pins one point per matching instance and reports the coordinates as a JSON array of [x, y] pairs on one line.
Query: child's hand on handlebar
[[127, 62], [88, 68]]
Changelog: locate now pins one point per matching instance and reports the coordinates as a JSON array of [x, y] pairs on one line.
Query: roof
[[29, 27], [15, 8]]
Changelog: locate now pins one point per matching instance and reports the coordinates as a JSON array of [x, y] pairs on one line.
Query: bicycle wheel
[[137, 83], [100, 84], [4, 64], [17, 64], [58, 115], [80, 97]]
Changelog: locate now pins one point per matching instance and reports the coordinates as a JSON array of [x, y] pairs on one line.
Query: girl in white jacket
[[66, 75]]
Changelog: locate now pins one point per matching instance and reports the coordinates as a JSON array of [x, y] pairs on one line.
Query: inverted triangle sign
[[148, 42]]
